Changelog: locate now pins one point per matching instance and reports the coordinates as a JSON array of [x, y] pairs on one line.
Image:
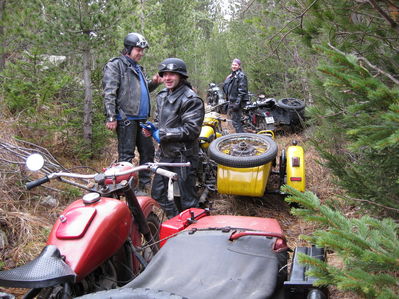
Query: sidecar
[[245, 162], [222, 256]]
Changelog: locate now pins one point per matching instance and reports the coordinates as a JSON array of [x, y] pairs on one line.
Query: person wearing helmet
[[126, 93], [178, 118], [235, 87]]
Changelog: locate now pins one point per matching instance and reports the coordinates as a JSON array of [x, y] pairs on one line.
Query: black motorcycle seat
[[206, 264], [45, 270]]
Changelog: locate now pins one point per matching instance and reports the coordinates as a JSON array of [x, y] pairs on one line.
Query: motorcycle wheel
[[243, 150], [147, 249], [291, 103]]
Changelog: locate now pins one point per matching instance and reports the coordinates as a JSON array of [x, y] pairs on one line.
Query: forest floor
[[31, 222]]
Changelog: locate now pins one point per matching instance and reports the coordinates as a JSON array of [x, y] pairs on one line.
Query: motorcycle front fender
[[147, 204], [47, 269]]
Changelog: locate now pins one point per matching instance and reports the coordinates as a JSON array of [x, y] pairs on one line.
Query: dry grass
[[18, 214]]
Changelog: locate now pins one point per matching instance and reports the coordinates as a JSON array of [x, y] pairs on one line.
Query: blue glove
[[154, 131], [155, 135]]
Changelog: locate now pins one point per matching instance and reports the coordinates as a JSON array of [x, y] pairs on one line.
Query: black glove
[[234, 106]]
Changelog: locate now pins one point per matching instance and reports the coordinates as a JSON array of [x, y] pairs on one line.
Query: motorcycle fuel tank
[[88, 234]]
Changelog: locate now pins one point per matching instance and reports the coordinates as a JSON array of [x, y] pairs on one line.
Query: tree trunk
[[87, 111], [2, 37], [142, 16]]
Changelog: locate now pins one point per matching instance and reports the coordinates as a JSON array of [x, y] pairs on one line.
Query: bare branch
[[292, 20], [373, 203], [17, 155], [248, 6], [361, 58], [387, 17]]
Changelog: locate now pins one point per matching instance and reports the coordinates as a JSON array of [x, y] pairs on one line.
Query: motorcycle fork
[[139, 257], [138, 215]]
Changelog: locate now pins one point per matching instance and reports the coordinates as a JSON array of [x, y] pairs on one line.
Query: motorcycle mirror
[[35, 162]]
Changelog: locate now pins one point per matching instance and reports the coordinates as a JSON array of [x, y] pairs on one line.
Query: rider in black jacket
[[179, 117], [235, 88], [127, 102]]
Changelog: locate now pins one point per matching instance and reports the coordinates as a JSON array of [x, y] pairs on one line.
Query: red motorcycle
[[99, 241], [221, 256]]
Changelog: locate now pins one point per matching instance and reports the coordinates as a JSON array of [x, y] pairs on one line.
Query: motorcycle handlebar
[[154, 167], [38, 182], [166, 173]]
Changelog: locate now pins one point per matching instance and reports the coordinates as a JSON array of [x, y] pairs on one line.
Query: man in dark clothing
[[235, 88], [127, 102], [179, 116]]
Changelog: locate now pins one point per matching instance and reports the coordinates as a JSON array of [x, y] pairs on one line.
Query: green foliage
[[360, 115], [49, 98], [71, 192], [32, 82], [368, 248]]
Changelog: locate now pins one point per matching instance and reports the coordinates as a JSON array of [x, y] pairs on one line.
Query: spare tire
[[291, 103], [242, 150]]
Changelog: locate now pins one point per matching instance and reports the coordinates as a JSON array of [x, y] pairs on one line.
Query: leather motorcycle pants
[[186, 182], [236, 120], [130, 137]]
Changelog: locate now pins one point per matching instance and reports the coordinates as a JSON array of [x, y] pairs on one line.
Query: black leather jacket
[[121, 87], [235, 87], [179, 117]]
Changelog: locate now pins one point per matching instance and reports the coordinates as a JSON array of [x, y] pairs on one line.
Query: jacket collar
[[130, 62], [171, 97], [235, 72]]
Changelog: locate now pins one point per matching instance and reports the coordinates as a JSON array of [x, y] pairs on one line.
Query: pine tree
[[82, 30], [355, 93], [359, 113], [368, 248]]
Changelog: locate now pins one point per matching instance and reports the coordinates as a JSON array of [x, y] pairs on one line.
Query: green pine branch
[[368, 247]]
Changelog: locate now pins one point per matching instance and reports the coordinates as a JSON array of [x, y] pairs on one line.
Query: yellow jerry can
[[296, 167]]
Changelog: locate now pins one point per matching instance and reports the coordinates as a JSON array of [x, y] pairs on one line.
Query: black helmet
[[134, 39], [174, 65]]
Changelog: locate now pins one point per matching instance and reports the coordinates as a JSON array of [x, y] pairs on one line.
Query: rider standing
[[126, 92], [179, 117], [235, 87]]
